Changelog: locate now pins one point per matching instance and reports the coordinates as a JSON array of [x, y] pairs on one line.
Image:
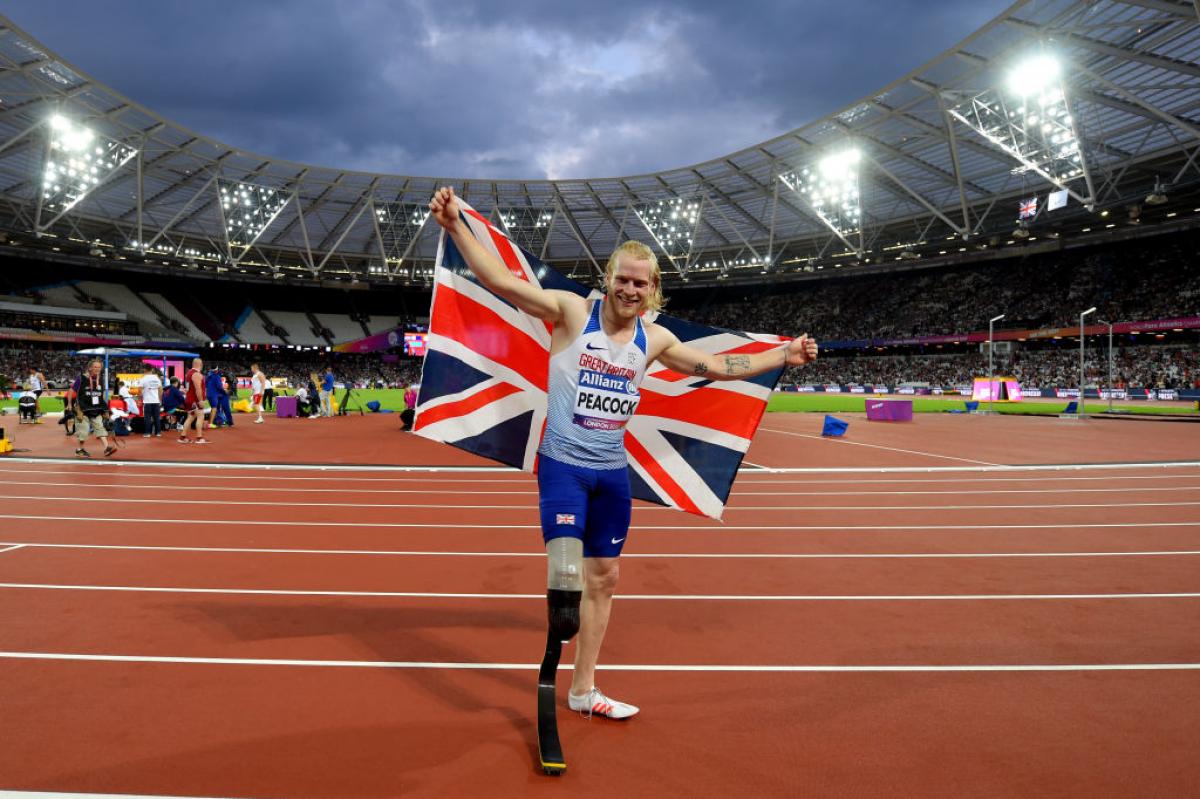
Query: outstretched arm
[[491, 273], [689, 361]]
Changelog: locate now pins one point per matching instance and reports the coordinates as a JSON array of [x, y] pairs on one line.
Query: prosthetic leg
[[565, 581]]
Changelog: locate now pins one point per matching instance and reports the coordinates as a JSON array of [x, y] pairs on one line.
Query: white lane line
[[714, 527], [518, 476], [526, 508], [644, 555], [990, 468], [297, 467], [648, 667], [1040, 478], [286, 490], [629, 597], [880, 446], [73, 795], [10, 547], [737, 494]]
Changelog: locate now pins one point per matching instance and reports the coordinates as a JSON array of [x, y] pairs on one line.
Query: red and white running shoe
[[594, 703]]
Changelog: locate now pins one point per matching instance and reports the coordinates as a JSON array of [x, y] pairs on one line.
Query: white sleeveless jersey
[[593, 390], [256, 385], [34, 383]]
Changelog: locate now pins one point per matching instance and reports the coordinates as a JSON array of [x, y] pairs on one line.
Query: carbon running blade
[[549, 748]]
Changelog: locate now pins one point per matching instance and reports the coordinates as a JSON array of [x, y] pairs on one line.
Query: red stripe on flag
[[655, 470], [482, 330], [464, 406], [750, 347], [503, 246], [727, 411]]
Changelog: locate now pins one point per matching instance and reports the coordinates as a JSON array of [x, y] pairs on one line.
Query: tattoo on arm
[[737, 364], [701, 368]]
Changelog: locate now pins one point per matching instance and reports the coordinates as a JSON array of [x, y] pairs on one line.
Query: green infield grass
[[856, 403]]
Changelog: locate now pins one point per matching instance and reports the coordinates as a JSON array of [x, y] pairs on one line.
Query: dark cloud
[[518, 90]]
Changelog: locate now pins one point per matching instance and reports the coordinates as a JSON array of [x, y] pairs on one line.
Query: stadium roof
[[943, 153]]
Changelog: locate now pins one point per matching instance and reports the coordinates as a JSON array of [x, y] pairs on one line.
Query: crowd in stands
[[1140, 366], [1127, 282]]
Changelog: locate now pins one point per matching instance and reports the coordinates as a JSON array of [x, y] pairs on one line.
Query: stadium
[[955, 554]]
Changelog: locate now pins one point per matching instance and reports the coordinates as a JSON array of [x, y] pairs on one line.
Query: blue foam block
[[834, 427]]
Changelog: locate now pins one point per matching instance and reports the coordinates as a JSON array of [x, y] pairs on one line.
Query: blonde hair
[[638, 252]]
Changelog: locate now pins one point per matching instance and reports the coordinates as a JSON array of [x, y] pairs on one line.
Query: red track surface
[[313, 587]]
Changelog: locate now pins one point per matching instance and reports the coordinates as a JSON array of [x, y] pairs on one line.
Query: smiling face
[[633, 281], [630, 285]]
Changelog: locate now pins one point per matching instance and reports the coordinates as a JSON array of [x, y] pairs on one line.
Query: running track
[[970, 631]]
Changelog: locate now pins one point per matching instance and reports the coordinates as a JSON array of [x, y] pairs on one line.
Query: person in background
[[410, 408], [314, 399], [258, 384], [268, 396], [228, 392], [37, 384], [302, 407], [172, 404], [131, 406], [151, 404], [327, 392], [90, 407], [213, 389], [193, 404]]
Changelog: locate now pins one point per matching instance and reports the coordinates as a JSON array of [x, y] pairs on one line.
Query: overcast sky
[[524, 89]]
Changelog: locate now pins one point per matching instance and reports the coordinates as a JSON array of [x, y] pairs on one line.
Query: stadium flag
[[1027, 209], [483, 384], [1056, 200]]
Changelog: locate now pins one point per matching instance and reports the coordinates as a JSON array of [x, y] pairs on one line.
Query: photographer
[[90, 408]]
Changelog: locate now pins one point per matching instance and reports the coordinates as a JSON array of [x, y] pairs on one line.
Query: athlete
[[193, 404], [599, 354], [37, 384], [258, 385]]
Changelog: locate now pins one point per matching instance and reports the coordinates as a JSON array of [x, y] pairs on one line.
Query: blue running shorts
[[593, 505]]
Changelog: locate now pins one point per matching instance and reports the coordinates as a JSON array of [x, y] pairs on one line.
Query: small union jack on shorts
[[593, 505]]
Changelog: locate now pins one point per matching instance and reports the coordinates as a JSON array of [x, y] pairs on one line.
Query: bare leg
[[600, 581]]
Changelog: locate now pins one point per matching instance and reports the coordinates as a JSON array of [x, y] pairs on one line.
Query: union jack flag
[[1027, 209], [483, 384]]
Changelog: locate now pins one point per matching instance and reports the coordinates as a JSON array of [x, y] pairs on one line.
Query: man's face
[[630, 286]]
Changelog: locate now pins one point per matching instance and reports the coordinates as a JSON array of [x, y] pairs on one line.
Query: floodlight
[[78, 161], [840, 166], [672, 222], [830, 187], [1033, 74], [248, 209], [527, 226], [397, 225], [1031, 120]]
